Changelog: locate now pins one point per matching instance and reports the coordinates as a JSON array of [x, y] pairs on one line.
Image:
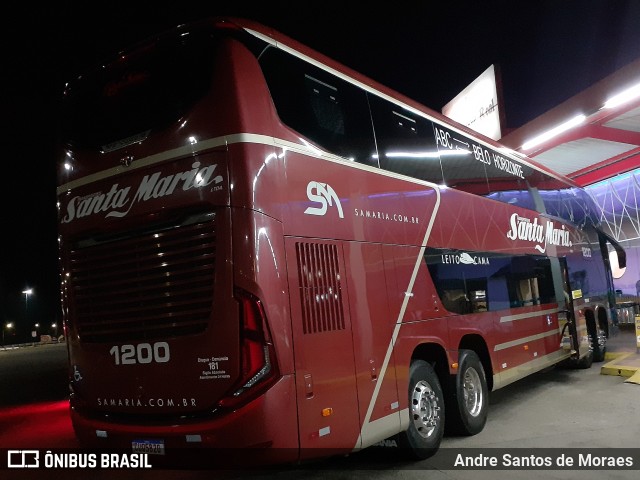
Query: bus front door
[[570, 327]]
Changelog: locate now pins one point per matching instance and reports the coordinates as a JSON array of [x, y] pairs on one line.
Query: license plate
[[152, 447]]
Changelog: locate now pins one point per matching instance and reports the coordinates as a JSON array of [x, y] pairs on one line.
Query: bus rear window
[[145, 89]]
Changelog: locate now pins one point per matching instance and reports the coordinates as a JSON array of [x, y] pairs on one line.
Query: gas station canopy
[[591, 137]]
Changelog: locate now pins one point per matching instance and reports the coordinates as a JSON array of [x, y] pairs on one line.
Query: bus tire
[[426, 412], [469, 402], [586, 361], [599, 349]]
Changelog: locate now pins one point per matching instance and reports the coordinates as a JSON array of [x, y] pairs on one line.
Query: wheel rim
[[425, 409], [472, 392]]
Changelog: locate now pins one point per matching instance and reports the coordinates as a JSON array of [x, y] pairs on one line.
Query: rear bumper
[[263, 431]]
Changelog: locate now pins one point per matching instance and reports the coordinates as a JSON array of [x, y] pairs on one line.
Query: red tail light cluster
[[258, 365]]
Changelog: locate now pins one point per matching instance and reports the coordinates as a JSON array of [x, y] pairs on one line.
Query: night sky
[[547, 51]]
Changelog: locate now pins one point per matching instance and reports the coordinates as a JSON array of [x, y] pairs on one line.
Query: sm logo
[[324, 196]]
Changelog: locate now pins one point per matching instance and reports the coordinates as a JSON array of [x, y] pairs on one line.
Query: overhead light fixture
[[577, 120], [622, 97]]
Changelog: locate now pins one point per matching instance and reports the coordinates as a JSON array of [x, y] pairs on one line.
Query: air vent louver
[[154, 284], [320, 289]]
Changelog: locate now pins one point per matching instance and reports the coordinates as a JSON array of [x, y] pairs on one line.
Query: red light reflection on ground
[[38, 425]]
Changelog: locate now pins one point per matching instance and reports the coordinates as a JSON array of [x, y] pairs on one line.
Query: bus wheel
[[586, 361], [426, 410], [598, 343], [470, 399]]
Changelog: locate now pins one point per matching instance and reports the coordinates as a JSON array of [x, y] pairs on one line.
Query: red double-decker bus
[[262, 249]]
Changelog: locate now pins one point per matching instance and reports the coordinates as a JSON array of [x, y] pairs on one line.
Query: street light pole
[[34, 333], [27, 292]]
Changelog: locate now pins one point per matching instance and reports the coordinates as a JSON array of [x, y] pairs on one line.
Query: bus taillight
[[258, 364]]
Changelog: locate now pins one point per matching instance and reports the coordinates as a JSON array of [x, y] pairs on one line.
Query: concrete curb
[[622, 364], [635, 378]]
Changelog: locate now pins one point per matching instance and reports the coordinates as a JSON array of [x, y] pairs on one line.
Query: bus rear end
[[171, 342]]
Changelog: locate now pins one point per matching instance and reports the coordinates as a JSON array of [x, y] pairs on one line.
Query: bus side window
[[328, 111], [474, 282], [570, 203], [462, 285], [463, 166], [481, 169], [405, 141], [508, 188]]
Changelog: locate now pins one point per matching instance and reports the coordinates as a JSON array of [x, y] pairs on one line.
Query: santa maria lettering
[[117, 202], [542, 234]]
